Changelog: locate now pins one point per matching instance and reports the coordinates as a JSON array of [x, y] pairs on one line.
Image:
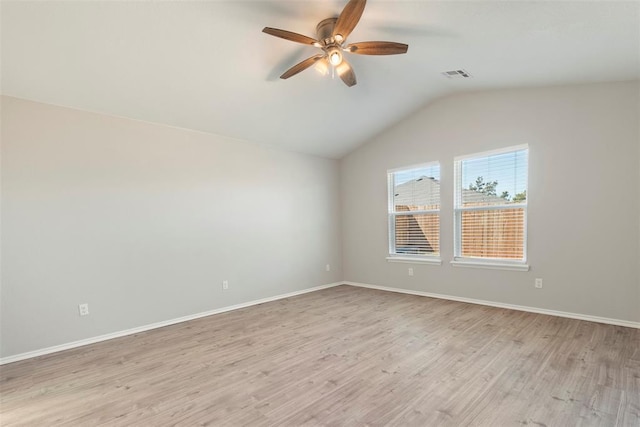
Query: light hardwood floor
[[341, 356]]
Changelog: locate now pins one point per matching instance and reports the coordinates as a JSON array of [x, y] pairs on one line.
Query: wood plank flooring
[[343, 356]]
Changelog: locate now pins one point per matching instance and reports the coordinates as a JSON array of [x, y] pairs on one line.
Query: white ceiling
[[207, 66]]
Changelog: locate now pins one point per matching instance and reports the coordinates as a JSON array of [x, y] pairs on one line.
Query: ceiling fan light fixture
[[322, 67], [335, 57], [342, 68]]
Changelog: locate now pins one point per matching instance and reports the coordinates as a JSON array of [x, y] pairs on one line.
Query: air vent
[[457, 74]]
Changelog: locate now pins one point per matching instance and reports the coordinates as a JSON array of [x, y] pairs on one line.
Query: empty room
[[322, 212]]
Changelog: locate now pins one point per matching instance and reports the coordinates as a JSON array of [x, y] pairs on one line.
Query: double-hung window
[[490, 208], [414, 213]]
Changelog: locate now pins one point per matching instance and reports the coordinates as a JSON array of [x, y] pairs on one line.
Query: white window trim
[[487, 263], [420, 259], [416, 166], [391, 215], [491, 265], [493, 152]]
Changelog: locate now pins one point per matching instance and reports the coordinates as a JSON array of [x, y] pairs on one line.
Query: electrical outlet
[[83, 309], [538, 283], [328, 267], [410, 271], [225, 285]]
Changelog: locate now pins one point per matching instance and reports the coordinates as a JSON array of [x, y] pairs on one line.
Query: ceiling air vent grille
[[457, 74]]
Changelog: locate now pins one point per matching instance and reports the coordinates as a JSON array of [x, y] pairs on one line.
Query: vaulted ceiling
[[207, 66]]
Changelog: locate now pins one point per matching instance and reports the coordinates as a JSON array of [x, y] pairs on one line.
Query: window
[[490, 207], [414, 213]]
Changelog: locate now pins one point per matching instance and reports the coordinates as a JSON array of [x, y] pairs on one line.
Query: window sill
[[411, 260], [490, 265]]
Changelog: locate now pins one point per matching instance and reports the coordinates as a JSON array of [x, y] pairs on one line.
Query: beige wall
[[143, 222], [584, 188]]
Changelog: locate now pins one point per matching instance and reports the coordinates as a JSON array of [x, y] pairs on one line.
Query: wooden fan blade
[[288, 35], [346, 73], [301, 66], [349, 18], [377, 48]]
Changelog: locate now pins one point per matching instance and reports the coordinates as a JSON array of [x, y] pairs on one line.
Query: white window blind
[[490, 205], [414, 211]]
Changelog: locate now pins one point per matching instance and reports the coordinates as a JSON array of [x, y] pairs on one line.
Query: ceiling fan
[[332, 34]]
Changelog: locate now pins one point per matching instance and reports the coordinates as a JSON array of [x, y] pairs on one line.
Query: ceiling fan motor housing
[[324, 30]]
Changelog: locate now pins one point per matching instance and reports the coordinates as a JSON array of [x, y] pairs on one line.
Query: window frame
[[393, 256], [491, 263]]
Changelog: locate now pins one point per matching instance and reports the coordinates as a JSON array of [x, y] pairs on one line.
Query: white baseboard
[[80, 343], [92, 340], [577, 316]]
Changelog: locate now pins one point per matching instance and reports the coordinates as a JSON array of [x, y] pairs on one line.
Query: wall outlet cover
[[83, 309]]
